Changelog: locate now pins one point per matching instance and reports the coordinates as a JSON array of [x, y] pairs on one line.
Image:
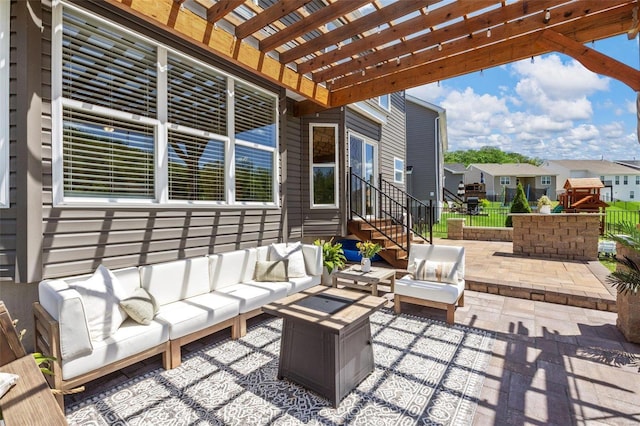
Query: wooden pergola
[[329, 53]]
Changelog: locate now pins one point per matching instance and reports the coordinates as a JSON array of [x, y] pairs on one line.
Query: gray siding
[[422, 152], [76, 240], [292, 182], [322, 222], [393, 142]]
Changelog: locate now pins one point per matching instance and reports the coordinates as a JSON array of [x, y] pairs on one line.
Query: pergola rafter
[[377, 48]]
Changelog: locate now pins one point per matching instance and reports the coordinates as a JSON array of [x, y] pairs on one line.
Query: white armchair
[[435, 279]]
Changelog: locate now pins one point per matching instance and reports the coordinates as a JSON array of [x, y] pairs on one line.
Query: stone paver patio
[[552, 364]]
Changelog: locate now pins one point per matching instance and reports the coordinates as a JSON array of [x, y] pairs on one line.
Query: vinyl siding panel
[[77, 239], [393, 143], [322, 222], [421, 151], [295, 175], [8, 215]]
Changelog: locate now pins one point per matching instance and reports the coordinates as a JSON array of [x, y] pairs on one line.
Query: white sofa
[[194, 297], [444, 287]]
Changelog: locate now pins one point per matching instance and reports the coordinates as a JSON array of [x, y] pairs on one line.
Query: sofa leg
[[396, 304], [242, 327], [461, 300], [451, 310], [235, 329], [176, 356]]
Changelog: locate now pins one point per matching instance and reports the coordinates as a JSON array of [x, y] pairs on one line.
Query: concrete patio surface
[[552, 364]]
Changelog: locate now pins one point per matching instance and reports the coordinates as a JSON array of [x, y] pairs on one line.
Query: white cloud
[[631, 107], [429, 92]]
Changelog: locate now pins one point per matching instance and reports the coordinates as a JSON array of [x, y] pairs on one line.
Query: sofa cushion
[[140, 306], [101, 295], [427, 270], [180, 279], [303, 283], [130, 339], [64, 304], [293, 253], [428, 290], [230, 268], [253, 295], [197, 313], [276, 270]]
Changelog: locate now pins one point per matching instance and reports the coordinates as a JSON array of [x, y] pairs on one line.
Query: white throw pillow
[[101, 295], [443, 272], [6, 381], [292, 253]]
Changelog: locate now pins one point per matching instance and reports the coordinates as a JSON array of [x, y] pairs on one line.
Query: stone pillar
[[628, 304], [455, 229]]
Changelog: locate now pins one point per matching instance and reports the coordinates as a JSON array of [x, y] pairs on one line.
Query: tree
[[488, 154], [519, 205]]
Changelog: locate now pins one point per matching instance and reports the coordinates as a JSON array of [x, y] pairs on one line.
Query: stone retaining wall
[[457, 230], [571, 236]]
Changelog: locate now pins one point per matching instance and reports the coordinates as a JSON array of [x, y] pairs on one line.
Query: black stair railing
[[387, 203]]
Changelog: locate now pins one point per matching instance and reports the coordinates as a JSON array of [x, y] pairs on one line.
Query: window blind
[[197, 96], [107, 68], [107, 157], [196, 168], [255, 116]]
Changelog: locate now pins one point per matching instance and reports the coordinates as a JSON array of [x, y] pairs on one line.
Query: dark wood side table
[[30, 401], [326, 339]]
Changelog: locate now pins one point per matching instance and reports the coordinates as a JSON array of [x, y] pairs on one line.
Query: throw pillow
[[140, 306], [271, 271], [444, 272], [6, 381], [101, 295], [292, 253]]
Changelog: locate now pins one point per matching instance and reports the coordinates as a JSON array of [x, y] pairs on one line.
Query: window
[[545, 180], [617, 180], [505, 180], [4, 103], [631, 194], [637, 180], [141, 123], [385, 101], [602, 179], [398, 170], [323, 146], [625, 180]]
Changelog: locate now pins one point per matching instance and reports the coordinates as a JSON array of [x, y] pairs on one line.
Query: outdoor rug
[[426, 372]]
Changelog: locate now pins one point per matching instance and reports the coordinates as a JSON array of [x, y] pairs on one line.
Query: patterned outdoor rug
[[427, 372]]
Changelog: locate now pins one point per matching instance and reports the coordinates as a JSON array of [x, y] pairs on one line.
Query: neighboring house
[[621, 182], [501, 180], [453, 176], [426, 144], [132, 146]]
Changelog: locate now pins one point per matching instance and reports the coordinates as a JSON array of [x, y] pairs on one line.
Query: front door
[[363, 163]]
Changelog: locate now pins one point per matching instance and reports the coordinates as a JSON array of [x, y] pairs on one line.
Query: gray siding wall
[[77, 239], [323, 222], [393, 138], [422, 151]]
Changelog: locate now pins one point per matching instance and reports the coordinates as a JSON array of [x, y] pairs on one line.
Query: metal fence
[[497, 217]]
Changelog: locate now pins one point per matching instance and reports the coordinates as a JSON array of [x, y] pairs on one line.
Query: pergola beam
[[184, 24], [384, 15], [273, 13], [591, 59], [221, 9], [593, 27]]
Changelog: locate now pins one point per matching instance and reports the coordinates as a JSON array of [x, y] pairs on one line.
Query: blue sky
[[548, 108]]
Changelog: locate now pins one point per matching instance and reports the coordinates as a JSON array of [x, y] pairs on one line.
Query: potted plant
[[332, 258], [367, 249], [544, 205], [626, 280]]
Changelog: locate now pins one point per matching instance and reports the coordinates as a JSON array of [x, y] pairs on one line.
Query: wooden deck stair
[[392, 253]]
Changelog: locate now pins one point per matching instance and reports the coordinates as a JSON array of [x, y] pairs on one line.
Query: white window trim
[[336, 166], [545, 178], [5, 23], [386, 108], [402, 172], [505, 178], [160, 132]]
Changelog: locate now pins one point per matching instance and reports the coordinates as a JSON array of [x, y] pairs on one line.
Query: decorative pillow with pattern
[[443, 272], [271, 270]]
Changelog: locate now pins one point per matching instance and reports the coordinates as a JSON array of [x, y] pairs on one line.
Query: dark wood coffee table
[[326, 339]]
